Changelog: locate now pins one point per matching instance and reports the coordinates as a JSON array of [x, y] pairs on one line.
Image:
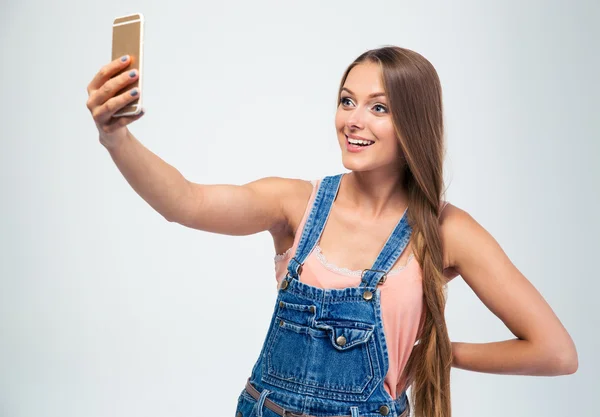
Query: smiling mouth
[[358, 143]]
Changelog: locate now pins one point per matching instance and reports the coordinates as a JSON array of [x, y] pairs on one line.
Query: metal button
[[238, 414], [281, 304], [384, 410], [367, 295], [284, 284], [313, 309], [281, 322], [341, 340]]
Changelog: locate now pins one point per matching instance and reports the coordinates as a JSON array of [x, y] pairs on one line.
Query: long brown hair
[[414, 93]]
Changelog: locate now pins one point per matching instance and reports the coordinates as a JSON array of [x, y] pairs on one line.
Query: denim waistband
[[401, 404]]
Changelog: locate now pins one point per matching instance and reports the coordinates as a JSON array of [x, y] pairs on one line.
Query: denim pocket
[[332, 358]]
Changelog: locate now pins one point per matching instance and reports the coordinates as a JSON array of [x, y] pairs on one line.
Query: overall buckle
[[381, 281], [300, 267]]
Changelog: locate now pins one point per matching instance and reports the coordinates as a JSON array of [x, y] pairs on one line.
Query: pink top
[[401, 299]]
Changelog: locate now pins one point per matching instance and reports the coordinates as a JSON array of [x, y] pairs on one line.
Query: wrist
[[112, 141]]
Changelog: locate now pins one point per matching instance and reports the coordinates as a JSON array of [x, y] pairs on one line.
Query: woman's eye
[[381, 107]]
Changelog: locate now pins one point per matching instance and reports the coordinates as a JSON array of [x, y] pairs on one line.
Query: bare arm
[[219, 208], [226, 209], [542, 346]]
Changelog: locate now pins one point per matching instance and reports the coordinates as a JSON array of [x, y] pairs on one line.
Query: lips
[[370, 142], [358, 138]]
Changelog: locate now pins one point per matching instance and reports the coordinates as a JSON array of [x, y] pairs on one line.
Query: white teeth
[[360, 142]]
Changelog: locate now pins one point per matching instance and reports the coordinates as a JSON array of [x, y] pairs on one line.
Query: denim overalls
[[325, 352]]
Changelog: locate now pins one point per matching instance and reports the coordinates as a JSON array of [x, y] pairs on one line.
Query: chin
[[353, 165], [357, 165]]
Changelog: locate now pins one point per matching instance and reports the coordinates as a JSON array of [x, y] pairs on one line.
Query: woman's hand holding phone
[[103, 103]]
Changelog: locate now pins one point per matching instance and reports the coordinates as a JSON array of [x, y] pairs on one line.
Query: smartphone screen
[[127, 39]]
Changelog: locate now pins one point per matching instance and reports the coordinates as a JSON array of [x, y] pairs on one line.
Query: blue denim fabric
[[325, 352]]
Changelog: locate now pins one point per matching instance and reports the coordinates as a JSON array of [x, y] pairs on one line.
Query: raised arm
[[226, 209]]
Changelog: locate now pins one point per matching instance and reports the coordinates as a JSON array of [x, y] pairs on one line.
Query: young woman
[[364, 257]]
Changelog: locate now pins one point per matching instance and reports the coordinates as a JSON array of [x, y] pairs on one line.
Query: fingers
[[109, 92], [107, 72], [111, 87], [104, 112]]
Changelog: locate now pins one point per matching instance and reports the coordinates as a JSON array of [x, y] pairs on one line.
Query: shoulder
[[295, 188], [282, 188], [452, 219], [460, 234], [292, 194]]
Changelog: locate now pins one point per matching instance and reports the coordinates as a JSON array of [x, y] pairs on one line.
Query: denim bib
[[325, 352]]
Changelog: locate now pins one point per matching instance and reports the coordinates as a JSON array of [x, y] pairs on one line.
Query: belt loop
[[261, 400], [354, 411]]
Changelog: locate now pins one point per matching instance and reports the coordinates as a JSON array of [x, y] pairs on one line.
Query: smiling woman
[[364, 256], [363, 102]]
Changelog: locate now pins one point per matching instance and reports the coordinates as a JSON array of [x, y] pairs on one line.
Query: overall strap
[[390, 253], [315, 223]]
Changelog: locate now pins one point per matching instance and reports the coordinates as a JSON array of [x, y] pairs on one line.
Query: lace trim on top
[[349, 272], [281, 257], [344, 271]]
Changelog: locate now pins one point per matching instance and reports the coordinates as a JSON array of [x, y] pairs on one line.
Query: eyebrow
[[370, 95]]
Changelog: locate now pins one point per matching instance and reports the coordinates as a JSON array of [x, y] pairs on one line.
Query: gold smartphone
[[128, 39]]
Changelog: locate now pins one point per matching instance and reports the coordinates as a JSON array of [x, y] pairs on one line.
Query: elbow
[[565, 362], [570, 364], [174, 220], [170, 216]]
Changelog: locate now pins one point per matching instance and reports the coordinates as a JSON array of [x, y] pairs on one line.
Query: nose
[[355, 119]]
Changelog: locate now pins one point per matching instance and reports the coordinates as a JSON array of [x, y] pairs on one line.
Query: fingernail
[[124, 58], [132, 73], [134, 92]]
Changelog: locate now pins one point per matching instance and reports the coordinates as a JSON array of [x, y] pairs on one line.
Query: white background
[[106, 309]]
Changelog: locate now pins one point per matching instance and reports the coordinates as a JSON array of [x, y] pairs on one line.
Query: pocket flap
[[346, 335]]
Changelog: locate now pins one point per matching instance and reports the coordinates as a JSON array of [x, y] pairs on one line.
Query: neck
[[374, 193]]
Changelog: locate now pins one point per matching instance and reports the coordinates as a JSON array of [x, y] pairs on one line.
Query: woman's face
[[363, 112]]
